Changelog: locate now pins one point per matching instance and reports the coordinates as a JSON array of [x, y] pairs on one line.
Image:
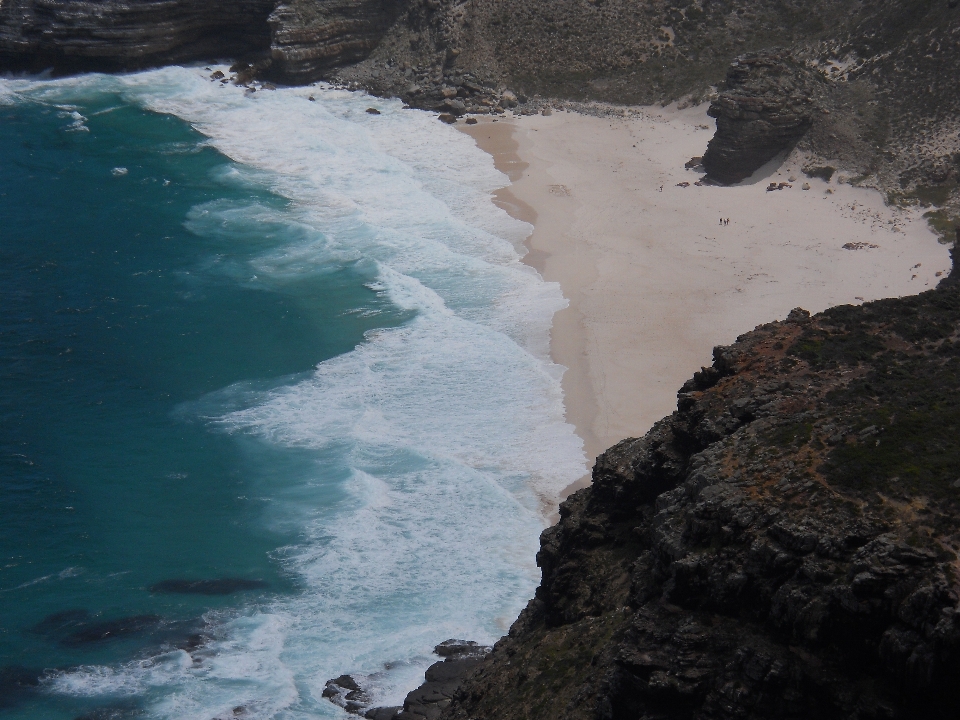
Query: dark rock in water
[[191, 642], [766, 107], [447, 118], [460, 648], [15, 682], [347, 693], [442, 679], [112, 712], [60, 622], [219, 586], [373, 111], [112, 629], [347, 682], [79, 627], [244, 73]]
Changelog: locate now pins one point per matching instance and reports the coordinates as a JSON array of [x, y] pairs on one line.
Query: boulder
[[765, 107], [454, 107]]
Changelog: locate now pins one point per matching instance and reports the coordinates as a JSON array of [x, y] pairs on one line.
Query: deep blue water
[[256, 339], [113, 314]]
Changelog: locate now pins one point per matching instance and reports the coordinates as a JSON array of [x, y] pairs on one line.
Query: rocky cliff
[[112, 35], [782, 546], [311, 37], [867, 88], [767, 105], [887, 70], [295, 41]]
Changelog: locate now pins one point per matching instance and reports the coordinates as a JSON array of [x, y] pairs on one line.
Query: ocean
[[276, 400]]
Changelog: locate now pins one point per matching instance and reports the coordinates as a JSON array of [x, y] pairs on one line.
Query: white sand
[[654, 281]]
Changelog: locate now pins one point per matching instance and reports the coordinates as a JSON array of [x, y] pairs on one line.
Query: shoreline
[[653, 280]]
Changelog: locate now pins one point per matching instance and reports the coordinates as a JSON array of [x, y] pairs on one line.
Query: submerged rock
[[441, 682], [111, 629], [62, 621], [217, 586], [16, 682], [123, 711]]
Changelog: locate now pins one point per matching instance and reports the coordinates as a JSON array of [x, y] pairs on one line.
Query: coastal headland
[[784, 542], [781, 543], [659, 269]]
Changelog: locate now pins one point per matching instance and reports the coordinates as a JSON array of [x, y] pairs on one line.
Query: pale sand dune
[[654, 281]]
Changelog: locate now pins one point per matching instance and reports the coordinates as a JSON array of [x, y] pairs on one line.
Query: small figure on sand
[[661, 189]]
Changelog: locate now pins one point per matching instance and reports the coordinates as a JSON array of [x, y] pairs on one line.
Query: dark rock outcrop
[[301, 39], [783, 546], [115, 35], [427, 702], [104, 630], [766, 106], [310, 38]]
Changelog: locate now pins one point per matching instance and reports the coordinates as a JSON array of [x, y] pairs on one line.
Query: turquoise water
[[257, 338]]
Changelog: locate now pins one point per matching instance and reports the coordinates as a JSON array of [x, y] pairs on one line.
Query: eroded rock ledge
[[114, 35], [767, 104], [294, 41], [310, 37], [782, 546]]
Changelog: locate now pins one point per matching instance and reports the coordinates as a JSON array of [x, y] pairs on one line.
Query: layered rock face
[[113, 35], [311, 37], [782, 546], [302, 39], [765, 107]]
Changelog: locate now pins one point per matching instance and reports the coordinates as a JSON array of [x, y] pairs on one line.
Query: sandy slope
[[654, 280]]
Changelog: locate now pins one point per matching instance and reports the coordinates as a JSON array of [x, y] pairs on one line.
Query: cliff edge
[[784, 545]]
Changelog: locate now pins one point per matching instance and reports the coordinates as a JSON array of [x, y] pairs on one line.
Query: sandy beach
[[654, 279]]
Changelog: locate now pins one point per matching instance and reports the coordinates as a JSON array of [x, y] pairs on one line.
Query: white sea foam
[[446, 435]]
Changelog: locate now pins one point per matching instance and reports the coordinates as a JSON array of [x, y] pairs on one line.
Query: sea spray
[[417, 464]]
